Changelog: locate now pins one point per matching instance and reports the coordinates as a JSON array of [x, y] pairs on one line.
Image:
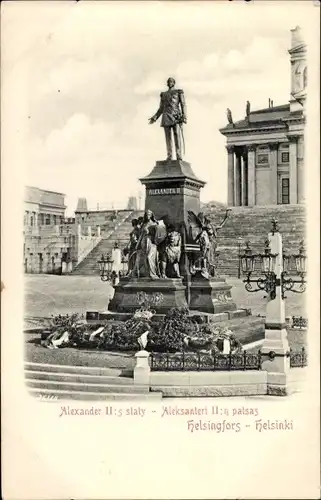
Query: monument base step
[[125, 299], [66, 395], [93, 317], [211, 296]]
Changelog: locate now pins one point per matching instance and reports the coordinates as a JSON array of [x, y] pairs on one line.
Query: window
[[262, 159], [285, 191], [285, 158], [47, 220], [262, 155]]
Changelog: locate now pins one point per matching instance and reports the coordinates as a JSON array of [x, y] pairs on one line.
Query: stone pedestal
[[210, 296], [118, 295], [275, 348], [142, 369], [172, 189], [125, 297]]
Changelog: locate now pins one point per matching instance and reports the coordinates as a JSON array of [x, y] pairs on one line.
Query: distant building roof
[[33, 188], [82, 205], [273, 109], [260, 118], [44, 197]]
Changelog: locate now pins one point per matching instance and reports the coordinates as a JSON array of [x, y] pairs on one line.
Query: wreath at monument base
[[179, 331]]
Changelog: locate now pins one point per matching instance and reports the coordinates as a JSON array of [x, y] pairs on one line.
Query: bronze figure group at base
[[155, 247], [202, 232]]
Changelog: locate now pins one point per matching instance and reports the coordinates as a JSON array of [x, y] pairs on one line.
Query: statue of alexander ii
[[173, 110]]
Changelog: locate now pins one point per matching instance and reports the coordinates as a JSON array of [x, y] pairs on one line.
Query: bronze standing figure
[[204, 233], [173, 110]]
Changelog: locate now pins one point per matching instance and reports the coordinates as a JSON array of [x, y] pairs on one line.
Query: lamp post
[[124, 266], [105, 267], [299, 268], [275, 270], [267, 262], [267, 265]]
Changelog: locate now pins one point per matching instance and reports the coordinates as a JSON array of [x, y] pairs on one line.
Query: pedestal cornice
[[172, 171]]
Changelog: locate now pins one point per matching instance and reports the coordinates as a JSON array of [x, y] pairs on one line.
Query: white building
[[266, 149]]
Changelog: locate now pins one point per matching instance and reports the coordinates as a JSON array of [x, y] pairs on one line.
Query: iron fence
[[184, 361], [299, 322], [189, 361], [298, 359]]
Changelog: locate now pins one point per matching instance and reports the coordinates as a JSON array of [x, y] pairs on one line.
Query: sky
[[90, 75]]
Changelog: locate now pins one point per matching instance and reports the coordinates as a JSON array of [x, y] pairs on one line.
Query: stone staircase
[[89, 265], [245, 223], [254, 224], [63, 382]]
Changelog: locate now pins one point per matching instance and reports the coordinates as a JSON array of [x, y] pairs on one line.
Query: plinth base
[[125, 297], [211, 296]]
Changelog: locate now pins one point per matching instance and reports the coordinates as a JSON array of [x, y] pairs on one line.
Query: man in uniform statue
[[172, 107]]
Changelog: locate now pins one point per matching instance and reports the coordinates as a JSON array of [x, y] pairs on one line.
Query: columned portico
[[237, 176]]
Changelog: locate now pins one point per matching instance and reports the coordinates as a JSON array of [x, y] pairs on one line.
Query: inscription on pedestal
[[152, 192]]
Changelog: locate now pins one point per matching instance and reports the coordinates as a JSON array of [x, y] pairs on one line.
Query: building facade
[[265, 150], [52, 243], [43, 207]]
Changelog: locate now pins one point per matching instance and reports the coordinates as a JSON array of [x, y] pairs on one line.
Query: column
[[273, 161], [244, 159], [251, 174], [301, 180], [243, 181], [230, 175], [237, 183], [293, 170]]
